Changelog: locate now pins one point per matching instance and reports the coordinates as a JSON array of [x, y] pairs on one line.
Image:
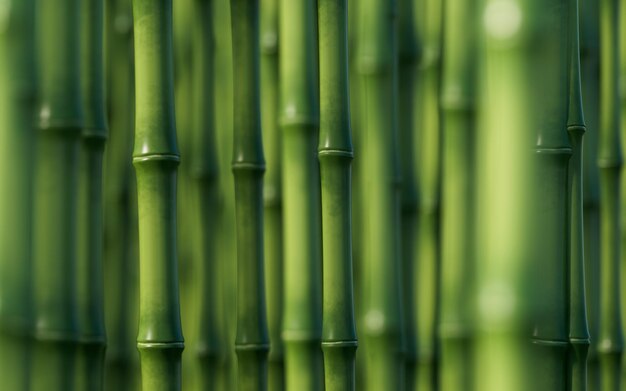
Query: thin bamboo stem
[[383, 322], [90, 227], [339, 340], [155, 157], [272, 190], [610, 338], [248, 165], [299, 112]]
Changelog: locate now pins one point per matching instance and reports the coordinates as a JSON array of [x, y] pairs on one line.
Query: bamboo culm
[[383, 323], [155, 157], [299, 117], [610, 337], [248, 165], [90, 226], [204, 187], [339, 339], [578, 328]]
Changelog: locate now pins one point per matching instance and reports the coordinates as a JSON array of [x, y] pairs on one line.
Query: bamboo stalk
[[383, 323], [611, 340], [17, 145], [339, 340], [578, 328], [56, 189], [248, 165], [155, 157], [299, 112], [272, 190], [457, 235], [204, 173], [90, 228]]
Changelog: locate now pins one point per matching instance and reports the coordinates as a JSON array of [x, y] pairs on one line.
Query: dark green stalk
[[299, 112], [204, 171], [383, 323], [17, 145], [578, 328], [90, 228], [458, 134], [56, 189], [120, 217], [427, 161], [248, 165], [610, 338], [339, 340], [272, 191], [155, 157], [589, 43]]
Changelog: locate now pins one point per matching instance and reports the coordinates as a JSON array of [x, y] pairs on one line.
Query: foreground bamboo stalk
[[272, 191], [204, 187], [155, 157], [90, 229], [383, 323], [17, 146], [56, 189], [248, 165], [458, 134], [578, 328], [610, 337], [339, 340], [299, 112]]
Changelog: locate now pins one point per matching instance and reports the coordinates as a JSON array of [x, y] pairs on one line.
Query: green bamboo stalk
[[578, 328], [90, 228], [272, 190], [56, 189], [299, 116], [458, 134], [383, 323], [589, 42], [252, 342], [155, 157], [17, 145], [204, 173], [120, 218], [610, 338], [427, 137], [339, 340]]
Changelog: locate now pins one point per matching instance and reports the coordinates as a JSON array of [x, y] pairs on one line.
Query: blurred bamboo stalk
[[299, 118], [458, 107], [272, 190], [90, 277], [18, 90], [155, 157], [248, 165], [610, 337], [339, 340]]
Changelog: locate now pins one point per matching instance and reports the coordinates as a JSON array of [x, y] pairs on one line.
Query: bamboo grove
[[312, 194]]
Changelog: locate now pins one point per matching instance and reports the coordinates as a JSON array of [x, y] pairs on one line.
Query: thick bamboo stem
[[90, 227], [56, 189], [299, 116], [578, 328], [610, 338], [383, 323], [457, 235], [248, 165], [272, 190], [339, 340], [155, 157]]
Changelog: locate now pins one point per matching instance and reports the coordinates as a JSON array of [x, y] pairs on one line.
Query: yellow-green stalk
[[155, 157]]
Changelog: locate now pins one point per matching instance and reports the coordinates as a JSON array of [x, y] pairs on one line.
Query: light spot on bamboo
[[375, 321], [5, 15], [502, 19], [497, 303]]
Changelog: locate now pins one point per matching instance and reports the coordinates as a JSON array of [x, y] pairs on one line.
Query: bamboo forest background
[[312, 194]]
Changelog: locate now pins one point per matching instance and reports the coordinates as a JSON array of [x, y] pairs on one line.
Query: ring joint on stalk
[[577, 129], [261, 347], [549, 342], [335, 153], [244, 166], [554, 151], [165, 157], [340, 344], [160, 345]]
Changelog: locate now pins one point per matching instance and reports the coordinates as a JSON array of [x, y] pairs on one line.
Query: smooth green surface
[[339, 339]]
